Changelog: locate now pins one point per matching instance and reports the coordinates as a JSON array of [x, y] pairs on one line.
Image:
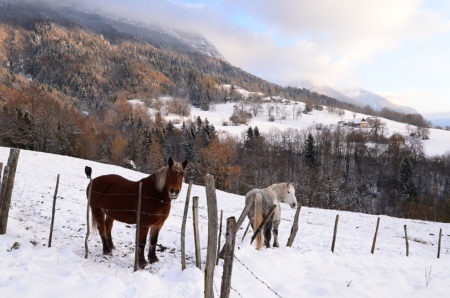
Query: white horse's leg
[[275, 233]]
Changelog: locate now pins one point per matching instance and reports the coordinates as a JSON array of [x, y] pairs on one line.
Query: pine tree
[[310, 152], [256, 132], [169, 128], [408, 186]]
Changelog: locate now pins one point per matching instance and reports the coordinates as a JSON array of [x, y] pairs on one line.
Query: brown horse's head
[[174, 178]]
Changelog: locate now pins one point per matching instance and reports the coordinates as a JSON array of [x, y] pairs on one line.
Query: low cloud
[[327, 38]]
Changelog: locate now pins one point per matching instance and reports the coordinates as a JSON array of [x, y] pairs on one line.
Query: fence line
[[259, 279]]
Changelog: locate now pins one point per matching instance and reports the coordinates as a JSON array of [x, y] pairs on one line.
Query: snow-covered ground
[[307, 269], [285, 114]]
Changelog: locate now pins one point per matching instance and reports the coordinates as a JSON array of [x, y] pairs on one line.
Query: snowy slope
[[438, 143], [306, 269]]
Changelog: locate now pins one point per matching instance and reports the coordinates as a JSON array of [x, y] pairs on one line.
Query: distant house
[[363, 123]]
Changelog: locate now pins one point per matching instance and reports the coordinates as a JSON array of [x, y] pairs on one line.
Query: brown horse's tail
[[94, 222], [258, 218]]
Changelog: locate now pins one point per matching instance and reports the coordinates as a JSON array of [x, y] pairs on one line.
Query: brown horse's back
[[116, 196]]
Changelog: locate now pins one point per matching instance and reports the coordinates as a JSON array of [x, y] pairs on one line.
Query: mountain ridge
[[357, 96]]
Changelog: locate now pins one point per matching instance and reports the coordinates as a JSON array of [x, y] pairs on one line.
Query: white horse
[[272, 195]]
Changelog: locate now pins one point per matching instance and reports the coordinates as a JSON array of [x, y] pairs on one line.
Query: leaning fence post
[[263, 223], [406, 239], [439, 243], [53, 212], [246, 230], [335, 232], [220, 235], [230, 239], [183, 227], [294, 228], [7, 188], [244, 213], [138, 225], [212, 235], [375, 236], [198, 258], [86, 248]]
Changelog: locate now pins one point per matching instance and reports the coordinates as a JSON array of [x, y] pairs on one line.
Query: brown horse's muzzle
[[173, 193]]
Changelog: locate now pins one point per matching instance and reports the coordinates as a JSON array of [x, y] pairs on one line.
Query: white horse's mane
[[278, 189]]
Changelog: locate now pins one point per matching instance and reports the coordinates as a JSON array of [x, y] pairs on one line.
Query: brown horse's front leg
[[152, 249], [141, 247]]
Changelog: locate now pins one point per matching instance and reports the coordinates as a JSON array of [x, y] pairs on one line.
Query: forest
[[341, 168]]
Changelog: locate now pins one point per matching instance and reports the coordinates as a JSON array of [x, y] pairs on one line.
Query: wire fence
[[77, 187]]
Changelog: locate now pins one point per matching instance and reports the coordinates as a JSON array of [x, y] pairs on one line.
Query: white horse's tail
[[257, 220]]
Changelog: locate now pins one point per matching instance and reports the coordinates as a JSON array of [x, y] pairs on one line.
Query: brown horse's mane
[[160, 176]]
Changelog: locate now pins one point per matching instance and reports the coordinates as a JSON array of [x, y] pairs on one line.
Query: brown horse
[[116, 198]]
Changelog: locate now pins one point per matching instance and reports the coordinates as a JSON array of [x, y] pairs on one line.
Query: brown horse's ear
[[184, 164], [170, 162]]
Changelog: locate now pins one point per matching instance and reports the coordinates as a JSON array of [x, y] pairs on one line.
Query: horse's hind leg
[[268, 233], [99, 217], [275, 234], [108, 225], [153, 240]]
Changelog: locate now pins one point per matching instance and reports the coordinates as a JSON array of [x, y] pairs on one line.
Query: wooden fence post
[[138, 225], [198, 257], [375, 236], [406, 239], [1, 168], [3, 184], [86, 248], [246, 230], [244, 213], [439, 243], [263, 223], [335, 232], [212, 235], [183, 227], [7, 188], [220, 235], [230, 240], [294, 228], [53, 212], [241, 220]]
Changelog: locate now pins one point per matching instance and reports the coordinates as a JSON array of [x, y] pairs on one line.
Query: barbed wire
[[259, 279], [236, 291]]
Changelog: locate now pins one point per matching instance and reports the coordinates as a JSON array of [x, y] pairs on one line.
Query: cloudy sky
[[399, 49]]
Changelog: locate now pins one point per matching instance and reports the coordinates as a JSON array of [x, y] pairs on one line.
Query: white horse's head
[[288, 195]]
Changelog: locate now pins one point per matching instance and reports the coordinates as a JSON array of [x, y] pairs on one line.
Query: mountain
[[110, 26], [356, 96], [375, 101]]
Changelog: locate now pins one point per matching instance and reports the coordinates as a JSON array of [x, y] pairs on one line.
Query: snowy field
[[306, 269], [438, 142]]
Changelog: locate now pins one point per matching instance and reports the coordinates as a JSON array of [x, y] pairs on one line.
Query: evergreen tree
[[169, 128], [310, 152], [407, 184], [249, 140], [256, 132]]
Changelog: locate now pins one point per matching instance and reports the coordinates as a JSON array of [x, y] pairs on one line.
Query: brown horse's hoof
[[154, 260], [107, 252], [142, 264]]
